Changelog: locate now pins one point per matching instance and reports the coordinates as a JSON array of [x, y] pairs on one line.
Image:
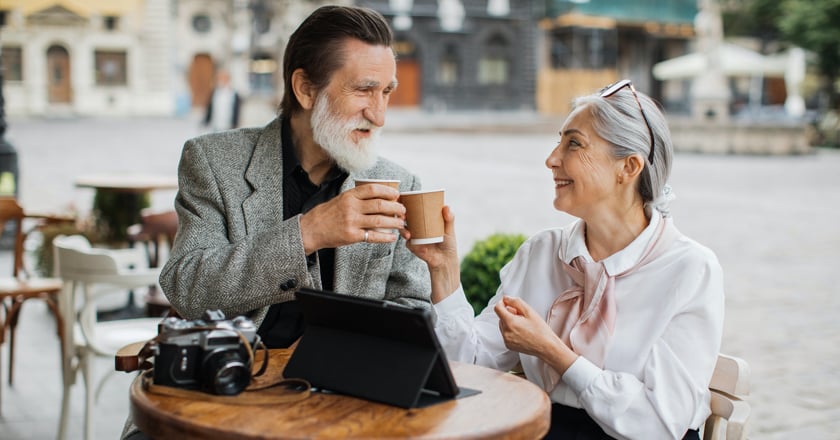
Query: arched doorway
[[408, 75], [59, 90], [201, 78]]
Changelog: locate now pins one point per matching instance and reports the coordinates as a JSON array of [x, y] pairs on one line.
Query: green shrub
[[480, 267]]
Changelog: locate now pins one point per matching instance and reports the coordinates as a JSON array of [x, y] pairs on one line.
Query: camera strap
[[282, 391]]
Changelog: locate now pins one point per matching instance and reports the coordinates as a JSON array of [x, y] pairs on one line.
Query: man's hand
[[346, 218]]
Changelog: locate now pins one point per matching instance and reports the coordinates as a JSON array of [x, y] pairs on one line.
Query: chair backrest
[[10, 210], [160, 224], [730, 386], [90, 274], [76, 260]]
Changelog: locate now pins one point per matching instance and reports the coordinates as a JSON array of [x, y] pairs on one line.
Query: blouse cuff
[[581, 374], [452, 302]]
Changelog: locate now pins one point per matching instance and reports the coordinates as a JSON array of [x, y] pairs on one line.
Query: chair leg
[[67, 376], [12, 323], [52, 303], [89, 392]]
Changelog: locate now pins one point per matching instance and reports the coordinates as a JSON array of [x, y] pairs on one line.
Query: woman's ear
[[303, 90], [632, 166]]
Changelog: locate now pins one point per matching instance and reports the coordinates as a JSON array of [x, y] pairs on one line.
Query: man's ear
[[303, 89]]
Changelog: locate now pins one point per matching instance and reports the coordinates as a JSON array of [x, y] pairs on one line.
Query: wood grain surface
[[508, 407]]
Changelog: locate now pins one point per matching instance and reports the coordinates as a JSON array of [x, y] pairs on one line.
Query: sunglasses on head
[[613, 89]]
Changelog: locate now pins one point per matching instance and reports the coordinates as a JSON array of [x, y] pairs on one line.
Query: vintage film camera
[[207, 354]]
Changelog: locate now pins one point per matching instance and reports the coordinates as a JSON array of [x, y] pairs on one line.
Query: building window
[[261, 74], [583, 48], [201, 23], [448, 67], [492, 71], [12, 63], [494, 67], [110, 68], [110, 22]]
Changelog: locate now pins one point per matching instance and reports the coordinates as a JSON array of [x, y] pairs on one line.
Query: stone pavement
[[773, 222]]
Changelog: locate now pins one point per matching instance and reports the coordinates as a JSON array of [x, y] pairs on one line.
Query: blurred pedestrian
[[223, 108]]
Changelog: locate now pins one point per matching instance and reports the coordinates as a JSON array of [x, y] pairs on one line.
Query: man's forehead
[[367, 65]]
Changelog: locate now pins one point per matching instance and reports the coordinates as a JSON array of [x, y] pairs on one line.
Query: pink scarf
[[584, 315]]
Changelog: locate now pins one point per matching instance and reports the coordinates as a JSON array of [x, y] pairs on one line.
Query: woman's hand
[[442, 258], [525, 331]]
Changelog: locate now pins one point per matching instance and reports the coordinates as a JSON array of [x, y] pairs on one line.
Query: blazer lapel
[[264, 207]]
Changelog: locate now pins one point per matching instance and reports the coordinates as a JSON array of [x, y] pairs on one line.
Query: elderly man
[[264, 211], [267, 210]]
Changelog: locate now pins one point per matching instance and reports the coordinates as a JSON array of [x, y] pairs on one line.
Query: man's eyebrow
[[372, 84]]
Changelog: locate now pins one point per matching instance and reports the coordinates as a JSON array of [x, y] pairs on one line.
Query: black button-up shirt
[[283, 323]]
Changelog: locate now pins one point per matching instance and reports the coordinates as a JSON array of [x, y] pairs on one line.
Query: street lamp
[[8, 154]]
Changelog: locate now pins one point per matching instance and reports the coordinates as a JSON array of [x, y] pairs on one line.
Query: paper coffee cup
[[424, 215], [392, 183]]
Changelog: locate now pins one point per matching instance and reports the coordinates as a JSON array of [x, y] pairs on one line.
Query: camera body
[[206, 354]]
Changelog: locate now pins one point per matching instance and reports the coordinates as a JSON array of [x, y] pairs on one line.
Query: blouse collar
[[618, 262]]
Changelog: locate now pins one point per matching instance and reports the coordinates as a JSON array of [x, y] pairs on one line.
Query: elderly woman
[[618, 316]]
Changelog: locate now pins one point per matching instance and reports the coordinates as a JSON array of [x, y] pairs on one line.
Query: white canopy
[[735, 61]]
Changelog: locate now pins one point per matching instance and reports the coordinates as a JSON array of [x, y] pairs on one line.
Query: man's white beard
[[333, 135]]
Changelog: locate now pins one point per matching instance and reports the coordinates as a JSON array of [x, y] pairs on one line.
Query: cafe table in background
[[117, 204]]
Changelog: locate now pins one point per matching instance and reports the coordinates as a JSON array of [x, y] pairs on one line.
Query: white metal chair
[[730, 412], [89, 274]]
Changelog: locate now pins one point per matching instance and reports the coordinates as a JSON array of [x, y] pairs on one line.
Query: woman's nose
[[554, 158]]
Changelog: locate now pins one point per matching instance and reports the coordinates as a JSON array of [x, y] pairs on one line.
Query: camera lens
[[225, 373]]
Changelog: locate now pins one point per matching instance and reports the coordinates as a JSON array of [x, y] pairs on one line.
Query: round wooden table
[[508, 407]]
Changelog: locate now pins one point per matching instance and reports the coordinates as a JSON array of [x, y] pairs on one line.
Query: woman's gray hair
[[618, 120]]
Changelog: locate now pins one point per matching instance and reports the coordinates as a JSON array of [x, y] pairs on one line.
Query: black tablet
[[377, 350]]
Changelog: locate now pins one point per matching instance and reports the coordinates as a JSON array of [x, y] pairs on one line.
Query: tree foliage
[[814, 25], [755, 18]]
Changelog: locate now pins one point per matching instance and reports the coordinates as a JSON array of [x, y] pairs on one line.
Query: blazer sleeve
[[208, 269]]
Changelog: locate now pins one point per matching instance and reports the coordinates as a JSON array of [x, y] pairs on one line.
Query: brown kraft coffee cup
[[423, 215]]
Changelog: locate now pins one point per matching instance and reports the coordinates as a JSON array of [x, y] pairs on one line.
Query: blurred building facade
[[586, 44], [463, 54], [131, 57], [140, 57], [86, 56], [245, 37]]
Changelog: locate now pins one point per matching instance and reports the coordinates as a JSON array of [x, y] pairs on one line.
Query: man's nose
[[375, 112]]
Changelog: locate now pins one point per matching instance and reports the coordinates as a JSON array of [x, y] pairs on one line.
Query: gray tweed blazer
[[233, 250]]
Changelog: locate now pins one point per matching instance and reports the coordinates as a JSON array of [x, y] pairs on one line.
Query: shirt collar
[[619, 261]]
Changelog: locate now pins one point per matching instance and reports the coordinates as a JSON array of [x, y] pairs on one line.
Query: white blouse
[[654, 384]]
